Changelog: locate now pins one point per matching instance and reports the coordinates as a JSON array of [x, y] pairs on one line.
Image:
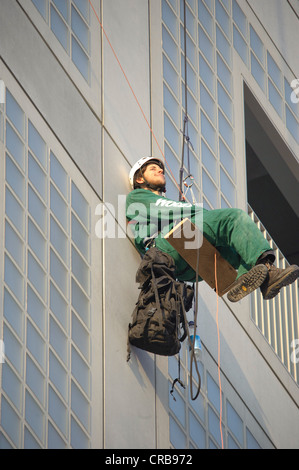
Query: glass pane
[[36, 310], [42, 5], [59, 341], [1, 133], [274, 71], [80, 59], [224, 74], [257, 72], [191, 76], [223, 46], [80, 237], [292, 124], [209, 189], [240, 45], [291, 95], [171, 106], [15, 146], [54, 439], [15, 212], [58, 375], [14, 279], [171, 134], [37, 177], [225, 102], [62, 6], [226, 131], [205, 18], [227, 187], [222, 18], [83, 7], [80, 336], [59, 273], [206, 46], [208, 160], [170, 47], [79, 440], [60, 241], [36, 345], [29, 441], [59, 306], [12, 386], [15, 113], [257, 45], [59, 28], [14, 245], [35, 380], [10, 422], [80, 270], [227, 159], [177, 436], [214, 425], [37, 210], [192, 105], [251, 442], [170, 19], [80, 303], [15, 178], [80, 371], [239, 18], [37, 243], [59, 175], [37, 276], [234, 422], [207, 75], [190, 20], [80, 406], [170, 75], [80, 29], [208, 132], [13, 314], [177, 406], [275, 98], [197, 432], [37, 145], [59, 207], [207, 103], [58, 411], [213, 392]]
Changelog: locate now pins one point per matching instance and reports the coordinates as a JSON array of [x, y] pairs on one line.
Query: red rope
[[133, 93]]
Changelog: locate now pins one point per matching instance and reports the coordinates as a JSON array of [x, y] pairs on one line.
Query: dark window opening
[[272, 179]]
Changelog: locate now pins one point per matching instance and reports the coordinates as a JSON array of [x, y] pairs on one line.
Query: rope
[[134, 95], [218, 362], [185, 131]]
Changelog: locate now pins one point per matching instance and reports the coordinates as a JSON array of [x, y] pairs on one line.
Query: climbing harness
[[182, 196]]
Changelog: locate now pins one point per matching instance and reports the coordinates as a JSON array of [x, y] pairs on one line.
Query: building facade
[[86, 89]]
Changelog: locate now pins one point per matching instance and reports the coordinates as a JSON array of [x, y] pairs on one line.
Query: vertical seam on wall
[[103, 239], [151, 151]]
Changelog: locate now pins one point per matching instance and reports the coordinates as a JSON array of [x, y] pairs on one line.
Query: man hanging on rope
[[231, 231]]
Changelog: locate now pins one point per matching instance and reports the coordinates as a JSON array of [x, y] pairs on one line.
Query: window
[[69, 22], [46, 380]]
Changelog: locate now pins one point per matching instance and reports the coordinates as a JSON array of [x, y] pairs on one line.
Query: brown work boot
[[248, 282], [278, 278]]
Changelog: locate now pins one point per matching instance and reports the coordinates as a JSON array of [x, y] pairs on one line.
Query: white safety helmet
[[140, 163]]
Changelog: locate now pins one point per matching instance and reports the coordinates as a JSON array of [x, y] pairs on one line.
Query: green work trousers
[[235, 236]]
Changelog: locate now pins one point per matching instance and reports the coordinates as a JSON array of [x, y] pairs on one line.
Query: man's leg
[[233, 232]]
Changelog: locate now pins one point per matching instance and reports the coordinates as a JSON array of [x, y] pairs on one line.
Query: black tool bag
[[158, 320]]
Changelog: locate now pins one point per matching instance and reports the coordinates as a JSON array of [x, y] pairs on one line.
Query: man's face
[[153, 174]]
